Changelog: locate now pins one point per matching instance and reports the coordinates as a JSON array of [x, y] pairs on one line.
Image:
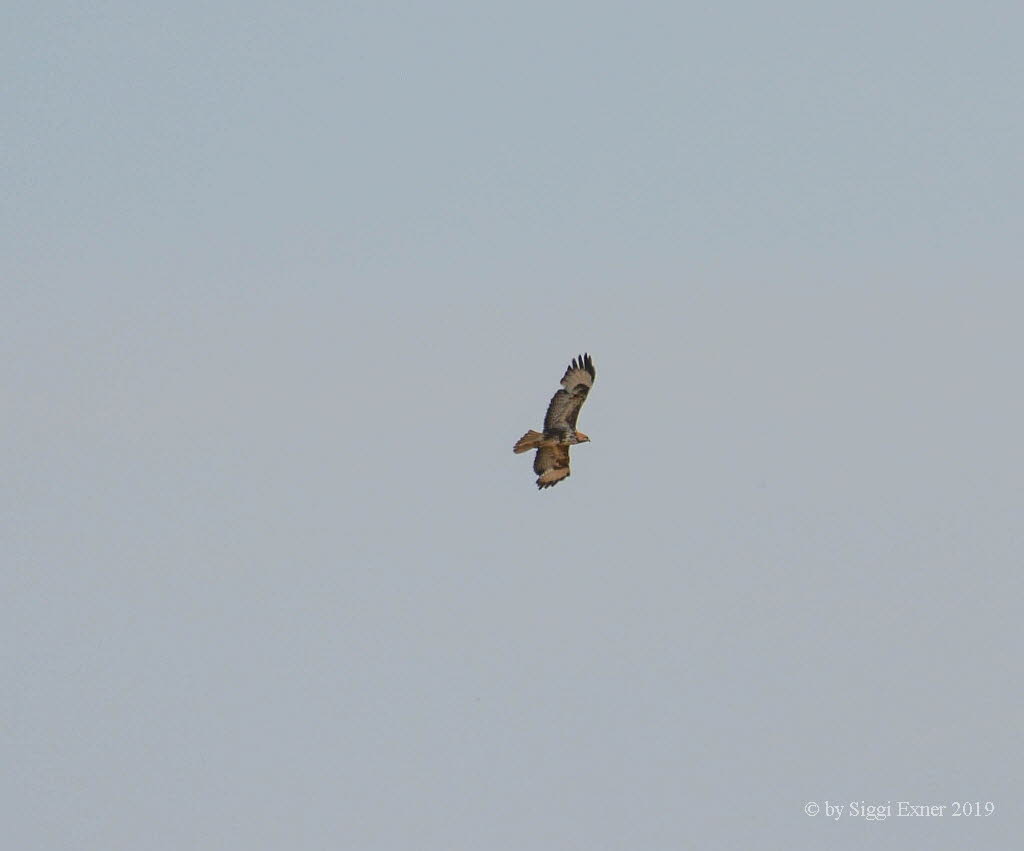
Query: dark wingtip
[[541, 485], [581, 362], [588, 365], [584, 362]]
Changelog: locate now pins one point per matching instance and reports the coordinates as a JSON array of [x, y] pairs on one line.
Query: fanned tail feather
[[530, 440]]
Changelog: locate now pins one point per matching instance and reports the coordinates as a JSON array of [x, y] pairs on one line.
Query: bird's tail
[[530, 440]]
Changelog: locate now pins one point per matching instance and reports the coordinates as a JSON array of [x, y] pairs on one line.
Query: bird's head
[[582, 438]]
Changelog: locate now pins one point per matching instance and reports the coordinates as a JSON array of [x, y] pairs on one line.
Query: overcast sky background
[[283, 285]]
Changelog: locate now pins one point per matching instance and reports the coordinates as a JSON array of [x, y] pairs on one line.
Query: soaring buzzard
[[551, 464]]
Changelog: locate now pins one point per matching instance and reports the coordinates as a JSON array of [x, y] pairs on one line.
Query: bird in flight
[[551, 463]]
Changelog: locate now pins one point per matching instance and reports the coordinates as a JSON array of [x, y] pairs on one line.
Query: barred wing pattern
[[566, 403], [551, 465]]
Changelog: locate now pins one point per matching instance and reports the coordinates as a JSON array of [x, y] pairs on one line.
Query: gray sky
[[282, 287]]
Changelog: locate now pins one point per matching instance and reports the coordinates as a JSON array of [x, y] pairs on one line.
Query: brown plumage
[[551, 463]]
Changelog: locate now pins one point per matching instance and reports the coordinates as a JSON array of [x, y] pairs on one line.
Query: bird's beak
[[583, 438]]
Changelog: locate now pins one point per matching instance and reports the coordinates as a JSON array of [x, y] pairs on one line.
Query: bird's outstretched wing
[[551, 464], [565, 405]]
